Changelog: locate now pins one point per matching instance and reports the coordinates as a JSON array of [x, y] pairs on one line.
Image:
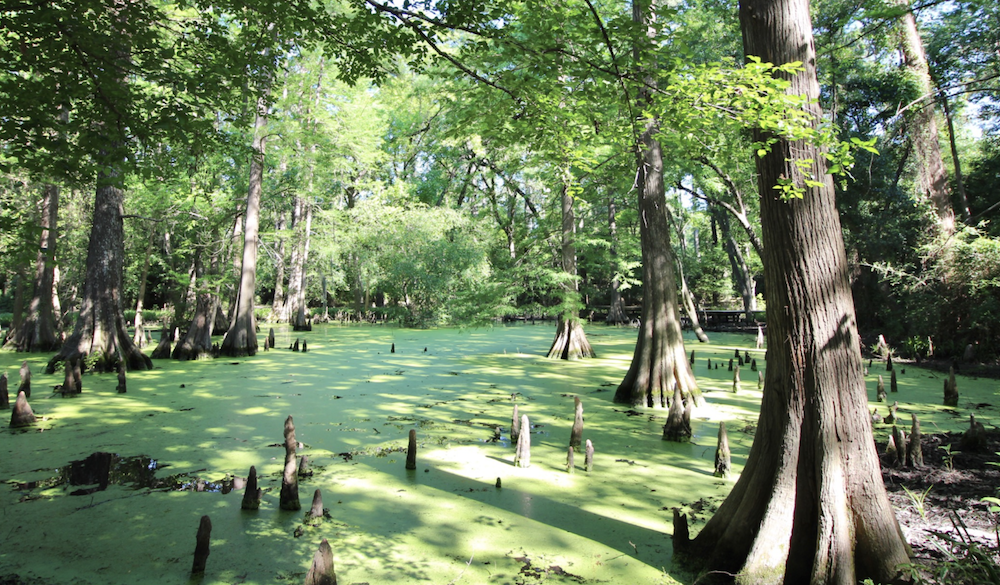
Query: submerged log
[[576, 435], [522, 456], [322, 570], [22, 415], [723, 461], [289, 478], [201, 550], [252, 494], [411, 450]]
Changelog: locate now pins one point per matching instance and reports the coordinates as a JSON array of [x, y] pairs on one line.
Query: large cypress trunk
[[101, 329], [659, 361], [197, 342], [241, 339], [810, 505], [38, 330]]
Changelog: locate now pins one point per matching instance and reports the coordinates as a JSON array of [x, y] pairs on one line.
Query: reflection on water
[[100, 470]]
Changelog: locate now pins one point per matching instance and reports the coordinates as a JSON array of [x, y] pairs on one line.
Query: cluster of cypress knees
[[904, 450]]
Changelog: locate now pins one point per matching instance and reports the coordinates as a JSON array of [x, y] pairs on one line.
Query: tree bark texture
[[810, 505], [101, 328], [37, 332], [241, 339]]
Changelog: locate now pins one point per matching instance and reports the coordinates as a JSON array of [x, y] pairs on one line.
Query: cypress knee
[[588, 459], [295, 346], [730, 364], [760, 379], [305, 346], [4, 395], [899, 436], [252, 494], [570, 459], [914, 452], [893, 386], [681, 534], [289, 478], [515, 426], [522, 457], [270, 337], [675, 429], [692, 357], [880, 390], [322, 571], [21, 416], [201, 546], [304, 469], [576, 435], [736, 380], [753, 365], [316, 510], [411, 450], [723, 462], [974, 439], [951, 389]]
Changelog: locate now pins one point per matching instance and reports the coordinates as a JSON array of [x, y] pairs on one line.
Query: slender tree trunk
[[810, 505], [38, 330], [291, 309], [139, 332], [616, 310], [278, 304], [687, 299], [101, 329], [17, 315], [931, 175], [299, 323], [963, 200], [570, 341], [241, 339], [741, 271], [659, 361]]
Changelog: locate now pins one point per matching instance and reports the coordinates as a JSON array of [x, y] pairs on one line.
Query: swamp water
[[109, 488]]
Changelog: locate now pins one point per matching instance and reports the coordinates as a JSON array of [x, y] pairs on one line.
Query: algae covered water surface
[[109, 488]]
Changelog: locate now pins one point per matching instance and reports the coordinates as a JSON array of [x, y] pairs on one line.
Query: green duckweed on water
[[109, 488]]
